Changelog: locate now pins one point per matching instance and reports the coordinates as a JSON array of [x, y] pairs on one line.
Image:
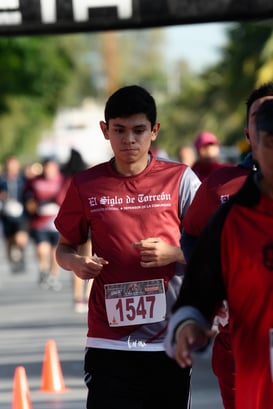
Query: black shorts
[[48, 236], [12, 225], [135, 380]]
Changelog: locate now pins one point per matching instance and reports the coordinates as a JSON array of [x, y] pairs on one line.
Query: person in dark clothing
[[215, 190], [13, 216], [232, 261], [81, 288]]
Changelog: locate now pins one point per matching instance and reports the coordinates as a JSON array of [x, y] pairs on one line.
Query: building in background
[[77, 128]]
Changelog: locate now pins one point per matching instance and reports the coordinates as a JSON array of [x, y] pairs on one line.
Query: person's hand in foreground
[[190, 337]]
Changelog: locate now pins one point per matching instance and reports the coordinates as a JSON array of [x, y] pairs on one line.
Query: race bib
[[48, 209], [12, 208], [137, 302]]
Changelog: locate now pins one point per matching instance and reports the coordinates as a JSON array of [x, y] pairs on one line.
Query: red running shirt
[[120, 211], [213, 191], [233, 260]]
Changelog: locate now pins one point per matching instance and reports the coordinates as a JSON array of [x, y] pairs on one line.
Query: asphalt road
[[30, 317]]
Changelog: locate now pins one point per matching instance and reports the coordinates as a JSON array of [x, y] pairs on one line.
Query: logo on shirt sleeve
[[224, 198]]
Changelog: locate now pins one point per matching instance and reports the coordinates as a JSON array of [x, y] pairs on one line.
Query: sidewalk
[[31, 316]]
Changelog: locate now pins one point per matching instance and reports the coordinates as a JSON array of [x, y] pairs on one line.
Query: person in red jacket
[[215, 190], [232, 261]]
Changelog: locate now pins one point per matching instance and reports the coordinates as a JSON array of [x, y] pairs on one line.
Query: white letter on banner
[[10, 17], [80, 7], [9, 4], [48, 11]]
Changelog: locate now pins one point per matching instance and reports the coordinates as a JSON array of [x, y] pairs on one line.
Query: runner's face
[[130, 137], [252, 118]]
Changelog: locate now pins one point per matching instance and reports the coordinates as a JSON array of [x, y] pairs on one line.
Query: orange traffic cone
[[21, 395], [52, 376]]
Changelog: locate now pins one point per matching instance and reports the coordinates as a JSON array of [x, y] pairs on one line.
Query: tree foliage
[[41, 74], [35, 72], [38, 67], [215, 100]]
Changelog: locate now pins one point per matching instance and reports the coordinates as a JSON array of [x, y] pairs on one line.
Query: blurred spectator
[[208, 151], [158, 151], [42, 196], [186, 154], [81, 288], [33, 169], [13, 217]]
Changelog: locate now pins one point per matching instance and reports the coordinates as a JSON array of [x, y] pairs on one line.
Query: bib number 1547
[[135, 303]]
